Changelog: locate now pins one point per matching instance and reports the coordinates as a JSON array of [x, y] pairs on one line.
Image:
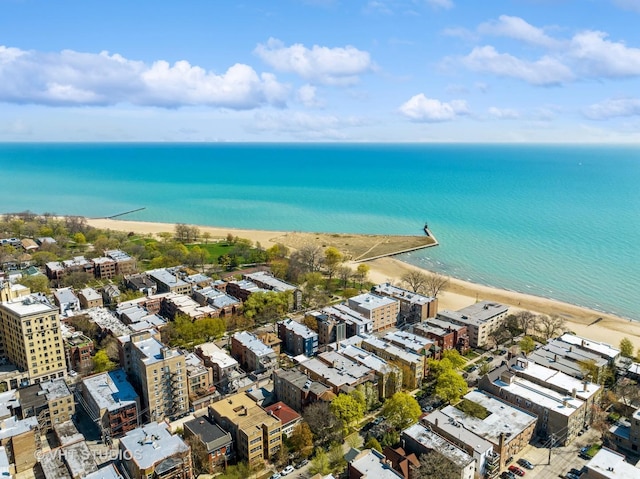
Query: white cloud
[[544, 71], [318, 64], [633, 5], [596, 56], [422, 109], [503, 113], [77, 78], [612, 108], [516, 27], [307, 95]]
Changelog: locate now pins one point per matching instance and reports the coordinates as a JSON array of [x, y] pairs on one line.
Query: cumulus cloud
[[503, 113], [516, 27], [77, 78], [307, 95], [596, 56], [318, 64], [544, 71], [613, 108], [422, 109]]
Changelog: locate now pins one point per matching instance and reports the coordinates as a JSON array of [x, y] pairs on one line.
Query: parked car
[[276, 476], [516, 470], [287, 470], [489, 359], [524, 463], [378, 420], [302, 463], [507, 475], [509, 460], [575, 471], [571, 476]]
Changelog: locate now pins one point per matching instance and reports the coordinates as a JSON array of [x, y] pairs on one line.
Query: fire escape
[[492, 464], [172, 403]]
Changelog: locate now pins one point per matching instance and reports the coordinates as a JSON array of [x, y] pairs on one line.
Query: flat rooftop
[[373, 464], [610, 464], [432, 441], [447, 423], [370, 301], [476, 314], [503, 418], [402, 294], [217, 356], [111, 390], [366, 358], [558, 379], [409, 341], [151, 444], [302, 381], [603, 349], [28, 306], [337, 369], [272, 282], [254, 344], [154, 351], [393, 350], [298, 328]]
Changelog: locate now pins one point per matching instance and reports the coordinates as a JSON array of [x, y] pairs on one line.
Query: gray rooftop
[[603, 349], [252, 343], [79, 459], [366, 358], [272, 282], [217, 355], [154, 351], [298, 328], [336, 369], [90, 294], [28, 306], [117, 255], [432, 441], [476, 314], [402, 294], [300, 380], [409, 341], [106, 320], [13, 426], [209, 432], [111, 390], [65, 295], [151, 444], [373, 464], [393, 350], [163, 276]]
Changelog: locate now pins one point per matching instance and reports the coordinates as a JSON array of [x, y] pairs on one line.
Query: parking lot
[[562, 458]]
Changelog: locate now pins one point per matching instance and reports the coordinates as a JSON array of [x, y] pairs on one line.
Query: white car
[[287, 470]]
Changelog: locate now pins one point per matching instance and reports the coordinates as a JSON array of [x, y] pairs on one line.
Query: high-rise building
[[31, 338], [159, 374]]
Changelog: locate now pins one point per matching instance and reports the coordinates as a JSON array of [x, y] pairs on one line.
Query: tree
[[415, 280], [309, 257], [302, 440], [325, 426], [198, 256], [77, 279], [344, 274], [626, 348], [37, 283], [347, 409], [102, 363], [454, 357], [372, 443], [206, 236], [526, 321], [266, 306], [401, 410], [199, 456], [332, 259], [485, 369], [549, 326], [79, 238], [435, 284], [320, 463], [527, 344], [434, 465], [511, 327], [589, 369], [41, 258], [277, 251], [362, 272], [337, 462], [450, 386]]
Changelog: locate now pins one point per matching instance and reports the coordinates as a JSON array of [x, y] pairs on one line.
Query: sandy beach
[[610, 329]]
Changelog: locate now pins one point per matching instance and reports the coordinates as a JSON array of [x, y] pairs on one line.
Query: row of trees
[[540, 326]]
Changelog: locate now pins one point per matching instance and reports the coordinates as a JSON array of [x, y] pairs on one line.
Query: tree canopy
[[267, 306], [434, 465], [348, 409], [450, 386], [302, 440], [527, 344], [626, 348], [401, 410]]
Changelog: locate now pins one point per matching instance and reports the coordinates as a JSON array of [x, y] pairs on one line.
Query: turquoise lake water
[[555, 221]]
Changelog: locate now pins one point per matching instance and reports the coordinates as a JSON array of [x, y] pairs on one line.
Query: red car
[[516, 470]]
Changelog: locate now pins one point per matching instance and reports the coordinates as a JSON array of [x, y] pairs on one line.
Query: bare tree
[[415, 280], [434, 465], [310, 258], [549, 326], [435, 284], [345, 273], [526, 321]]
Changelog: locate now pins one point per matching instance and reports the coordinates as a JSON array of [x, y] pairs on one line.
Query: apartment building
[[112, 402], [382, 310], [288, 417], [419, 439], [125, 264], [200, 384], [141, 283], [337, 371], [506, 430], [225, 304], [55, 270], [371, 463], [216, 441], [339, 321], [20, 439], [414, 343], [221, 363], [51, 402], [168, 282], [254, 356], [297, 390], [152, 451], [178, 303], [243, 289], [481, 319], [78, 350], [608, 464], [257, 435], [626, 436], [604, 350], [67, 302], [159, 375], [297, 338], [413, 365], [414, 307], [445, 334], [90, 298], [561, 416], [389, 377], [31, 337], [330, 328]]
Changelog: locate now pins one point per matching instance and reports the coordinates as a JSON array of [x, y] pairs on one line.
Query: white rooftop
[[603, 349], [217, 355], [610, 464], [430, 440], [151, 444], [370, 301], [298, 328], [111, 390], [537, 394], [252, 343], [584, 389], [106, 320], [272, 282], [393, 350], [154, 351], [365, 358], [409, 340], [29, 305], [465, 435], [108, 472], [90, 294], [373, 464]]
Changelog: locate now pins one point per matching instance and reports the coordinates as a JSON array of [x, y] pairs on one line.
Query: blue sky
[[320, 70]]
